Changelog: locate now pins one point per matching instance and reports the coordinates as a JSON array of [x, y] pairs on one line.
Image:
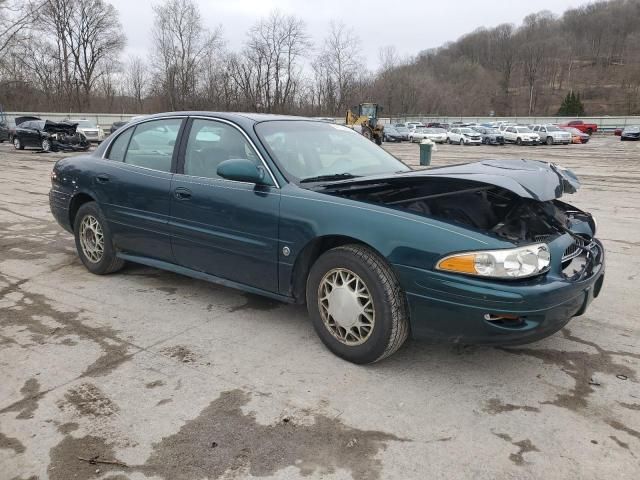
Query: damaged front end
[[64, 136], [515, 201]]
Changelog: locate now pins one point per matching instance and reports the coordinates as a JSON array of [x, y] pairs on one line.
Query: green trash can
[[425, 153]]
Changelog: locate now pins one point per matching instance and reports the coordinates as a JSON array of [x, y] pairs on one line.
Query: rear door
[[221, 227], [134, 186]]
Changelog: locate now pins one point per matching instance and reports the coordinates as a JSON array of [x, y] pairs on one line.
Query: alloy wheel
[[92, 239], [346, 306]]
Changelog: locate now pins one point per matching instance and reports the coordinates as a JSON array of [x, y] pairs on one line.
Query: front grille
[[574, 249]]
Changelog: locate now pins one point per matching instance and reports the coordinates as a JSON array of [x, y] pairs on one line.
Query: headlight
[[518, 262]]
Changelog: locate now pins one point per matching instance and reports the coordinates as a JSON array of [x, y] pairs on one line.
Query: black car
[[490, 136], [4, 132], [49, 136], [630, 133], [392, 134], [116, 125]]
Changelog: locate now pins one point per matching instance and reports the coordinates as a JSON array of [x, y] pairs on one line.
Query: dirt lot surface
[[172, 378]]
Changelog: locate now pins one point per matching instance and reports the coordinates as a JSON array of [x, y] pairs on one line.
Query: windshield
[[467, 130], [368, 110], [305, 150], [553, 128], [402, 129], [523, 130], [632, 129], [492, 130]]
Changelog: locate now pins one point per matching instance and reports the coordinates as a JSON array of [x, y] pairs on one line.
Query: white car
[[502, 126], [521, 135], [414, 125], [437, 135], [464, 136], [89, 129], [552, 134]]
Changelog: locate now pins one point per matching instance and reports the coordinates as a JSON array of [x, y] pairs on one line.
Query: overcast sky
[[411, 26]]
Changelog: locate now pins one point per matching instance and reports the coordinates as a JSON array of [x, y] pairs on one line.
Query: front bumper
[[456, 308], [70, 147]]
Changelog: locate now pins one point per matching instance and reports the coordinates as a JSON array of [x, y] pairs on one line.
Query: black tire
[[518, 141], [17, 144], [549, 140], [589, 131], [448, 141], [378, 140], [46, 145], [461, 142], [108, 263], [391, 326]]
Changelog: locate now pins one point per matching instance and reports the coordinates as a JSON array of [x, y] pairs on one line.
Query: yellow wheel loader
[[364, 119]]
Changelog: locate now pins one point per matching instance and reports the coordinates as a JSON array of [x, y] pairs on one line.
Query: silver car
[[552, 134]]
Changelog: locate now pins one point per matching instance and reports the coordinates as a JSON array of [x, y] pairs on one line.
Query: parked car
[[443, 126], [404, 131], [587, 128], [630, 133], [552, 134], [414, 125], [436, 135], [618, 131], [577, 136], [89, 129], [521, 136], [490, 136], [49, 136], [4, 132], [308, 212], [391, 134], [116, 125], [464, 136], [504, 125]]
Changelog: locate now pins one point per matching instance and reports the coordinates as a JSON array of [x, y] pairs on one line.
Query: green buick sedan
[[310, 212]]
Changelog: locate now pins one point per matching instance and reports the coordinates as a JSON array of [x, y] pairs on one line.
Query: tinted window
[[211, 143], [152, 144], [119, 146]]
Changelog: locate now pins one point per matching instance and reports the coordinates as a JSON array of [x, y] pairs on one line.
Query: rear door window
[[119, 146]]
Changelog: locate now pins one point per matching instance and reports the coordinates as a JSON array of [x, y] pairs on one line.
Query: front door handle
[[182, 193], [102, 178]]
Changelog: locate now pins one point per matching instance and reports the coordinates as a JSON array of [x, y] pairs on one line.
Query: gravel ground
[[172, 378]]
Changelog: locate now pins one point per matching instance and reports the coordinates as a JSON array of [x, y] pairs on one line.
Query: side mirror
[[241, 170]]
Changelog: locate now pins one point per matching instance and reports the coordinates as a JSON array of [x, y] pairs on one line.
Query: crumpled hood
[[60, 127], [533, 179]]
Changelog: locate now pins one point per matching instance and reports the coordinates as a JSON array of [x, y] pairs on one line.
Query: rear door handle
[[102, 178], [182, 193]]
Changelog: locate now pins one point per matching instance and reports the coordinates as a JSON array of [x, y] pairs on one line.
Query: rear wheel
[[356, 304], [518, 141], [93, 241], [549, 140], [448, 141], [17, 144]]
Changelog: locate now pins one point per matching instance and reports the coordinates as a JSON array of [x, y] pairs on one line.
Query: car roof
[[234, 116]]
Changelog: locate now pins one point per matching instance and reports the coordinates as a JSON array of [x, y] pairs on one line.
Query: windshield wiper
[[326, 178]]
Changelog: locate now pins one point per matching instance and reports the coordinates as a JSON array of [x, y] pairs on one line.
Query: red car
[[587, 128]]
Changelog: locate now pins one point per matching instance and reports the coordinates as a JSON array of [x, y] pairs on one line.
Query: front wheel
[[46, 145], [93, 241], [549, 140], [356, 304], [518, 141], [17, 144]]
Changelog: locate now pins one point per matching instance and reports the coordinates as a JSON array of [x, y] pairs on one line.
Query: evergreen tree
[[571, 106]]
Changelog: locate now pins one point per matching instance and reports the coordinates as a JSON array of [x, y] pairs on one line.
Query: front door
[[224, 228], [134, 187]]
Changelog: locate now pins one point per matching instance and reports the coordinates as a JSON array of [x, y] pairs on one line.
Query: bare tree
[[340, 63], [182, 44], [136, 81], [15, 16]]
